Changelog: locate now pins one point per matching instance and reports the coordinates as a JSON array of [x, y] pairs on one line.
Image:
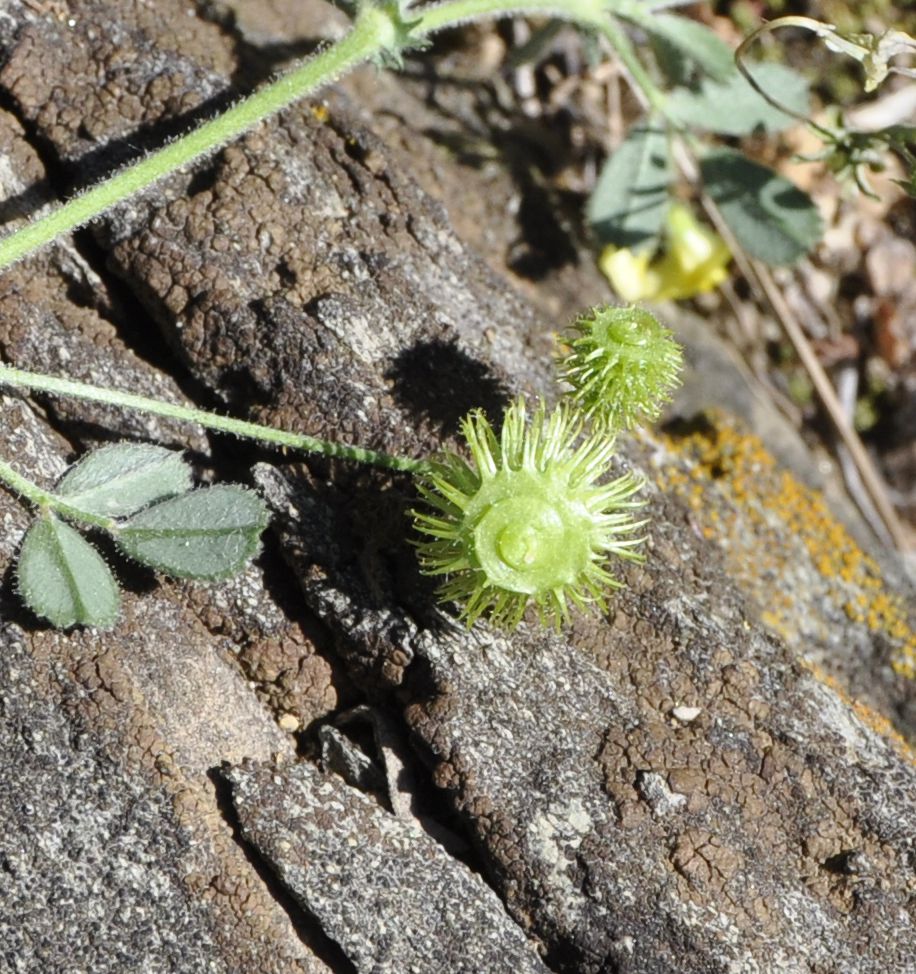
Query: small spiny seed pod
[[528, 520], [622, 364]]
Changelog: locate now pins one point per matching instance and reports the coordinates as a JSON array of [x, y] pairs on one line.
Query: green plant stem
[[225, 424], [451, 13], [366, 37], [376, 30], [46, 501], [623, 48], [822, 30]]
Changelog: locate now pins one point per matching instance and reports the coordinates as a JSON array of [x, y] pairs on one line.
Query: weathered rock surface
[[373, 880], [684, 785], [89, 851], [664, 790]]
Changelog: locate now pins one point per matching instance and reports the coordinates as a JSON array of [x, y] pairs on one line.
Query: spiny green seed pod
[[622, 364], [528, 520]]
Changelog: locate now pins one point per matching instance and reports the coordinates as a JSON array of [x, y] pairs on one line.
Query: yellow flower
[[696, 258], [694, 262], [629, 273]]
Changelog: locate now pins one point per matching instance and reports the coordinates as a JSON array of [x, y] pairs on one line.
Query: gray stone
[[303, 277], [383, 889], [90, 858]]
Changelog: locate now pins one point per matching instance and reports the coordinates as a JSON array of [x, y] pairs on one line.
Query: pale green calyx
[[622, 365], [528, 520]]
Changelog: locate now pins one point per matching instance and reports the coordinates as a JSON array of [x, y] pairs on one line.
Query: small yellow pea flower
[[695, 262], [630, 273]]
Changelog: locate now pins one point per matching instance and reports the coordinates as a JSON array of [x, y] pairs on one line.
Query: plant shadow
[[439, 383]]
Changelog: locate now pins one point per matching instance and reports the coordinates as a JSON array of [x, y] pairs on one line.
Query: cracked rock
[[705, 780], [392, 898]]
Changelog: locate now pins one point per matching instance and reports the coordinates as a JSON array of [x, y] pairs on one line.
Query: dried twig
[[761, 281]]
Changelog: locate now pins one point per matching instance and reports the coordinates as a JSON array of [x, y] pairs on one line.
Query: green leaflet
[[63, 579], [773, 219], [207, 533], [117, 480], [629, 202], [733, 107], [693, 41]]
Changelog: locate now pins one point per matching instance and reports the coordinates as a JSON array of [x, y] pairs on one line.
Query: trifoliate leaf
[[772, 219], [733, 107], [628, 204], [117, 480], [63, 579], [208, 533]]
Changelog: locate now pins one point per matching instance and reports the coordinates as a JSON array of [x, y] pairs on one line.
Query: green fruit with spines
[[621, 364], [530, 519]]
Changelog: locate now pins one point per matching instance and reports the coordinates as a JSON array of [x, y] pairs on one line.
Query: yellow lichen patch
[[773, 530], [868, 715]]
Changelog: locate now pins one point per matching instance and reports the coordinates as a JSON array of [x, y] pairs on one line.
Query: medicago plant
[[528, 517]]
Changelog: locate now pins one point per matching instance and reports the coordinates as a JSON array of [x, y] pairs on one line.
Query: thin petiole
[[47, 501], [623, 48], [19, 378]]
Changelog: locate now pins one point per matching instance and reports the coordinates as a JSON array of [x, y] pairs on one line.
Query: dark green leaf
[[695, 42], [120, 479], [208, 533], [63, 579], [629, 202], [773, 219], [672, 61], [733, 107]]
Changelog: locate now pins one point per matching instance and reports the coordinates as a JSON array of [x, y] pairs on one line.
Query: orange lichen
[[790, 525], [868, 715]]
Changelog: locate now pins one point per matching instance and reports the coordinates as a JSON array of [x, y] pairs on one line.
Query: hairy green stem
[[366, 37], [45, 500], [375, 30], [451, 13], [224, 424]]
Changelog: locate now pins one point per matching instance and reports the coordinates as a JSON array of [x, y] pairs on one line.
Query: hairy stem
[[450, 13], [374, 31], [47, 501], [366, 37], [224, 424]]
